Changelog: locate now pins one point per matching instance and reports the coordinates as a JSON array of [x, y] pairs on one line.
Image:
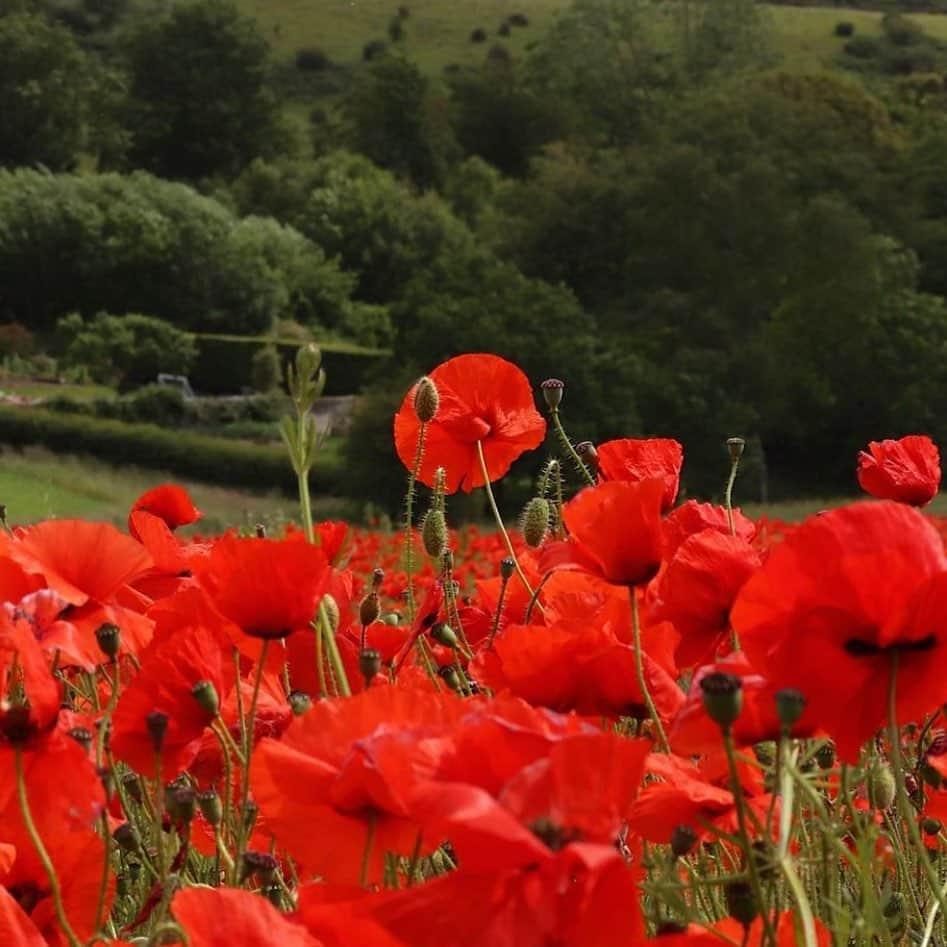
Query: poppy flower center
[[554, 836], [861, 647]]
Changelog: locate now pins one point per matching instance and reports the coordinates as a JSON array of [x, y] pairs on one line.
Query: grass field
[[36, 484], [27, 388], [438, 31]]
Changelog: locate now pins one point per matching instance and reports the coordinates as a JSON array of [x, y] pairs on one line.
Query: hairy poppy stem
[[104, 826], [367, 856], [639, 671], [45, 860], [409, 521], [728, 496], [243, 831], [505, 581], [332, 652], [569, 448], [905, 809], [499, 519]]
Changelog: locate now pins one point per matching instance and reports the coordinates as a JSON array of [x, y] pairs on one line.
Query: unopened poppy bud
[[206, 696], [109, 639], [825, 755], [156, 724], [132, 785], [434, 533], [299, 702], [369, 663], [392, 618], [507, 568], [443, 634], [368, 609], [536, 521], [82, 736], [261, 866], [211, 807], [735, 446], [127, 838], [931, 826], [893, 911], [449, 675], [180, 803], [741, 904], [880, 785], [552, 392], [790, 705], [249, 810], [588, 454], [723, 697], [378, 576], [683, 839], [426, 400], [331, 608]]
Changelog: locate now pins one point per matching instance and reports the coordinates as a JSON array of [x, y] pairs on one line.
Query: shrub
[[16, 339], [901, 31], [184, 453], [374, 49], [153, 404], [310, 59], [863, 47], [499, 55], [518, 19], [265, 369], [504, 29], [479, 35], [845, 28]]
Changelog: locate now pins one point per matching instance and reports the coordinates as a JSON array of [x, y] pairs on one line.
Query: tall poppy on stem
[[907, 470]]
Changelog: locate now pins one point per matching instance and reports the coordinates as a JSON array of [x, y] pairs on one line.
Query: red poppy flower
[[788, 934], [169, 503], [267, 588], [24, 671], [698, 588], [614, 533], [693, 517], [16, 928], [907, 470], [483, 398], [836, 602], [225, 917], [636, 459]]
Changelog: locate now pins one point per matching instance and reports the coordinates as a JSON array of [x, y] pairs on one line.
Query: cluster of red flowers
[[255, 741]]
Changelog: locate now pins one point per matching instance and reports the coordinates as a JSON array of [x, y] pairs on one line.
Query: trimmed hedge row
[[215, 460]]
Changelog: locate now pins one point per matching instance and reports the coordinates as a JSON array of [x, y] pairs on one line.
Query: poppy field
[[631, 720]]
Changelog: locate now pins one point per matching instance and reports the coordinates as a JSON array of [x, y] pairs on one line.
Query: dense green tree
[[199, 103]]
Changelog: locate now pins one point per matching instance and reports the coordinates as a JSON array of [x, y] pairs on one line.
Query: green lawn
[[36, 484], [438, 31], [27, 388]]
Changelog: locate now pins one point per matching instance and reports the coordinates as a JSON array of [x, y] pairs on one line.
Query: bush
[[153, 404], [518, 19], [863, 47], [504, 29], [845, 28], [479, 35], [184, 453], [310, 59], [901, 31], [374, 49], [265, 369], [16, 339]]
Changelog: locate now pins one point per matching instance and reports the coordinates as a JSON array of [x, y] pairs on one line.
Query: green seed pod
[[368, 609], [109, 639], [434, 534], [536, 521], [299, 702], [552, 389], [790, 705], [723, 697], [735, 446], [211, 807], [426, 400], [369, 663], [881, 786], [206, 696], [443, 634]]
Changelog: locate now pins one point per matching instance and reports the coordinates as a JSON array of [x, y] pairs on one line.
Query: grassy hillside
[[438, 31]]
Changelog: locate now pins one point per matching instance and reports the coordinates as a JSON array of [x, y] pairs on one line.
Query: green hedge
[[213, 460]]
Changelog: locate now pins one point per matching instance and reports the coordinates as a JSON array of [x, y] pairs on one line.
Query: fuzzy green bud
[[880, 785], [299, 702], [723, 697], [443, 634], [426, 400], [536, 521], [434, 533], [207, 698], [211, 807]]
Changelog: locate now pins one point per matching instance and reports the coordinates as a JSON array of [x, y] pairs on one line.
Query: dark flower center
[[861, 648]]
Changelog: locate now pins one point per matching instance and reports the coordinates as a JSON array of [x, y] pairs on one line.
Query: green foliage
[[265, 369], [198, 99], [184, 453], [127, 351], [395, 121], [132, 244]]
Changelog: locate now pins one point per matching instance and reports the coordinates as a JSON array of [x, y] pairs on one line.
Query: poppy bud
[[683, 839], [741, 904], [205, 694], [893, 912], [180, 802], [434, 533], [157, 725], [931, 826], [331, 607], [588, 455], [127, 838], [735, 447], [790, 705], [392, 618], [426, 400], [881, 786], [448, 674], [249, 810], [261, 866], [378, 576], [723, 697], [825, 755], [368, 609], [931, 776], [109, 639], [132, 785], [443, 634], [299, 702], [211, 807], [536, 521], [369, 663], [82, 736], [552, 391], [507, 567]]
